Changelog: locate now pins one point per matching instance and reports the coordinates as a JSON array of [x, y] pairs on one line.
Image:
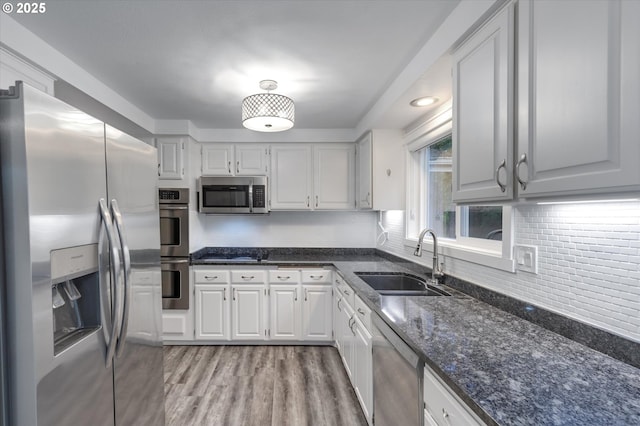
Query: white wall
[[284, 229], [588, 269]]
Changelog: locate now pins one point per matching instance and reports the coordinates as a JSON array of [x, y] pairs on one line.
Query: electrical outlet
[[526, 258]]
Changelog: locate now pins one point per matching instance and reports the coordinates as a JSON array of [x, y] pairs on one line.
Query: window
[[472, 233]]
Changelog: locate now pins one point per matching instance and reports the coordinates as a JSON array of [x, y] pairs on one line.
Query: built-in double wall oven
[[174, 247]]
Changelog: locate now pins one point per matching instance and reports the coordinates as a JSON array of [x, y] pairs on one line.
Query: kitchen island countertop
[[508, 370]]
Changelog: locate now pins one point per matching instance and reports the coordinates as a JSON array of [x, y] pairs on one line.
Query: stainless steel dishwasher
[[397, 379]]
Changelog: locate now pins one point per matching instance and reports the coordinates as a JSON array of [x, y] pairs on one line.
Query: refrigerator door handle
[[114, 252], [126, 258]]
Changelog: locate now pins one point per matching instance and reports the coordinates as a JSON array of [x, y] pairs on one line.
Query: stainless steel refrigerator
[[82, 283]]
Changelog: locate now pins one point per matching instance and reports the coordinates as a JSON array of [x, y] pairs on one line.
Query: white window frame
[[495, 254]]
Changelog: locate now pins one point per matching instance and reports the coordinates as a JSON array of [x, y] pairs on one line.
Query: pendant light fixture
[[268, 112]]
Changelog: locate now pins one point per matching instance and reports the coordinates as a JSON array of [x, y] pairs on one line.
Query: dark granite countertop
[[508, 370]]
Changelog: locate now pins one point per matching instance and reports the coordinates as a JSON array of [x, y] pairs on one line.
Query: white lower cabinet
[[284, 315], [212, 305], [353, 340], [262, 304], [363, 368], [316, 312], [442, 406], [247, 312]]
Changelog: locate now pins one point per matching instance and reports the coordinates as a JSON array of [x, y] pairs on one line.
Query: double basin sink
[[399, 284]]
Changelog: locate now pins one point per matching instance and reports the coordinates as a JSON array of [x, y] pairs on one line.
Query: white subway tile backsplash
[[588, 266]]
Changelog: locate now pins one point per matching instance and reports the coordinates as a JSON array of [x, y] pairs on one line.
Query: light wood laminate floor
[[258, 385]]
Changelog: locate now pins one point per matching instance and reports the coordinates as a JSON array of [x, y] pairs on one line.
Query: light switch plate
[[526, 258]]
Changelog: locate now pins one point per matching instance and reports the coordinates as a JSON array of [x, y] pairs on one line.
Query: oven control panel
[[173, 195]]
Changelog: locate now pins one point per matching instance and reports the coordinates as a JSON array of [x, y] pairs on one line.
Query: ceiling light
[[424, 101], [268, 112]]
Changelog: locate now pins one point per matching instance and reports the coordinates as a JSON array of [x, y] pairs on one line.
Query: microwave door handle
[[251, 197]]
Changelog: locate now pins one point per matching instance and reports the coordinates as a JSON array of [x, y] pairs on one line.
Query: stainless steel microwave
[[232, 194]]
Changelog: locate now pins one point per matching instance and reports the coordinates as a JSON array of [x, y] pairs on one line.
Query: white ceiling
[[197, 60]]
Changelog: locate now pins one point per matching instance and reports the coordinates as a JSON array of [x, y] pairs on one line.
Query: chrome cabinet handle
[[306, 294], [307, 201], [208, 277], [368, 198], [247, 278], [225, 294], [523, 159], [283, 277], [126, 258], [316, 277], [503, 187], [116, 270], [346, 292], [295, 295], [237, 166], [316, 201], [360, 311], [351, 325], [234, 294], [338, 304], [229, 167], [445, 415]]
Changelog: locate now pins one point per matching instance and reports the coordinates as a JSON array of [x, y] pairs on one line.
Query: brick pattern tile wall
[[588, 262]]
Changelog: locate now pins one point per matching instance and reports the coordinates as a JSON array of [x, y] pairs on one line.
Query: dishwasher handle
[[394, 340]]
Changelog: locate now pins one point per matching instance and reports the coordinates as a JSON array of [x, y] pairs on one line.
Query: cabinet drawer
[[211, 277], [443, 406], [348, 295], [316, 276], [248, 276], [363, 312], [281, 276]]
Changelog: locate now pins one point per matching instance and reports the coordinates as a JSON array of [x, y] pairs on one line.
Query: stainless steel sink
[[399, 284]]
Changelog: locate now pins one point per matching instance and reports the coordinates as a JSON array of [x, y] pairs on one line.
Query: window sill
[[489, 258]]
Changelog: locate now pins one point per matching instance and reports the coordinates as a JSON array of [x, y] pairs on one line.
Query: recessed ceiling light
[[424, 101]]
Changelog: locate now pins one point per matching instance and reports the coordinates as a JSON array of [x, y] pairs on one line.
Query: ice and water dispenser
[[75, 294]]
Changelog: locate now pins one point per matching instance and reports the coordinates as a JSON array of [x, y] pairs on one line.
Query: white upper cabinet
[[234, 160], [217, 159], [380, 170], [170, 157], [482, 112], [578, 97], [291, 177], [334, 176], [312, 176]]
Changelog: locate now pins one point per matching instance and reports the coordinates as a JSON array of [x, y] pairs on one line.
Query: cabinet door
[[337, 310], [247, 312], [316, 312], [291, 177], [251, 160], [334, 177], [217, 159], [365, 190], [170, 158], [347, 339], [284, 312], [212, 312], [482, 113], [363, 381], [578, 97]]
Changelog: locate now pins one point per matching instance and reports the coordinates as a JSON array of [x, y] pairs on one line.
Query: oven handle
[[173, 207], [173, 260]]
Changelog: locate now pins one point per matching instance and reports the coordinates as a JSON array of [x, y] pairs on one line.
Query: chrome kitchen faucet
[[436, 272]]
